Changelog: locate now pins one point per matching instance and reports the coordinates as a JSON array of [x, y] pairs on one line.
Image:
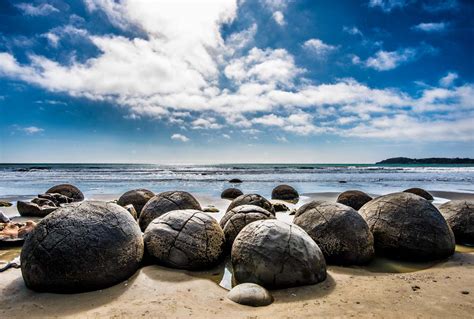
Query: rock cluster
[[68, 190], [460, 216]]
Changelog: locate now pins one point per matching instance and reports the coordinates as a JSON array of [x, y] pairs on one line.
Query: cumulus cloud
[[206, 123], [388, 5], [389, 60], [29, 130], [428, 5], [318, 47], [179, 137], [279, 17], [43, 9], [431, 27], [352, 30], [448, 79]]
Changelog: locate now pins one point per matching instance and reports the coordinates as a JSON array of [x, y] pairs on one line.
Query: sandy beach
[[382, 289]]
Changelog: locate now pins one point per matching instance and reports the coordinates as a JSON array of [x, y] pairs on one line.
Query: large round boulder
[[236, 219], [353, 198], [68, 190], [249, 294], [407, 226], [165, 202], [137, 197], [231, 193], [252, 199], [81, 247], [340, 232], [186, 239], [275, 254], [286, 193], [420, 192], [460, 216]]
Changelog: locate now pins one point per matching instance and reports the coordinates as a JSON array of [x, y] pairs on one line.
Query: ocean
[[27, 180]]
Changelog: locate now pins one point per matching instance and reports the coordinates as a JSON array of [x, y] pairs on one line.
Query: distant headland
[[431, 160]]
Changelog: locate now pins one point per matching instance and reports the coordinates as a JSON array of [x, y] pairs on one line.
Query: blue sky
[[235, 81]]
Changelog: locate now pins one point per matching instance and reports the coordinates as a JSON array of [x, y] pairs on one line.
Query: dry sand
[[444, 290]]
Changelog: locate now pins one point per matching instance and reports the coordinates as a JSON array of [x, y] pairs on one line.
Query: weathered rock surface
[[34, 210], [186, 239], [275, 254], [56, 198], [286, 193], [4, 218], [420, 192], [236, 219], [280, 207], [137, 197], [166, 202], [460, 217], [131, 209], [231, 193], [250, 294], [354, 198], [341, 233], [4, 203], [407, 226], [235, 181], [84, 246], [68, 190], [252, 199], [210, 209]]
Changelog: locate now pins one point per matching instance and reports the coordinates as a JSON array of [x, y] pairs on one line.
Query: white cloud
[[279, 18], [431, 27], [52, 38], [448, 79], [179, 137], [384, 60], [318, 47], [352, 30], [43, 9], [226, 136], [206, 123], [30, 130], [298, 123], [282, 139], [388, 5]]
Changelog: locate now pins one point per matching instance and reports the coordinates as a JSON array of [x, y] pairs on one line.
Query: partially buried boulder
[[82, 247], [235, 181], [165, 202], [68, 190], [231, 193], [340, 232], [56, 198], [420, 192], [186, 239], [252, 199], [407, 226], [354, 198], [236, 219], [275, 254], [34, 210], [286, 193], [249, 294], [137, 197], [460, 216], [4, 203], [280, 207]]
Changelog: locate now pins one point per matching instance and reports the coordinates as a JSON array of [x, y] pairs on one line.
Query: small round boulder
[[185, 239], [460, 216], [340, 232], [250, 294], [165, 202], [82, 247], [236, 219], [68, 190], [137, 197], [275, 254], [420, 192], [252, 199], [353, 198], [231, 193], [286, 193], [407, 226]]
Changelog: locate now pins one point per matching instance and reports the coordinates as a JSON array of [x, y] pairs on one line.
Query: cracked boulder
[[286, 193], [236, 219], [165, 202], [340, 232], [231, 193], [185, 239], [275, 254], [420, 192], [407, 226], [460, 216], [251, 199], [353, 198], [137, 197], [68, 190], [82, 247], [56, 198], [34, 210]]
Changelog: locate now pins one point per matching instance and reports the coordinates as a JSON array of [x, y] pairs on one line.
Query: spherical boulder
[[407, 226], [166, 202], [231, 193], [82, 247], [251, 199], [341, 233], [353, 198], [275, 254], [286, 193], [250, 294], [186, 239], [68, 190], [420, 192], [137, 197], [460, 216], [236, 219]]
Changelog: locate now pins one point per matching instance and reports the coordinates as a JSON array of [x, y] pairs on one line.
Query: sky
[[232, 81]]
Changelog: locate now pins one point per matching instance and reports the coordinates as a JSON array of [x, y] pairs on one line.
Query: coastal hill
[[431, 160]]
